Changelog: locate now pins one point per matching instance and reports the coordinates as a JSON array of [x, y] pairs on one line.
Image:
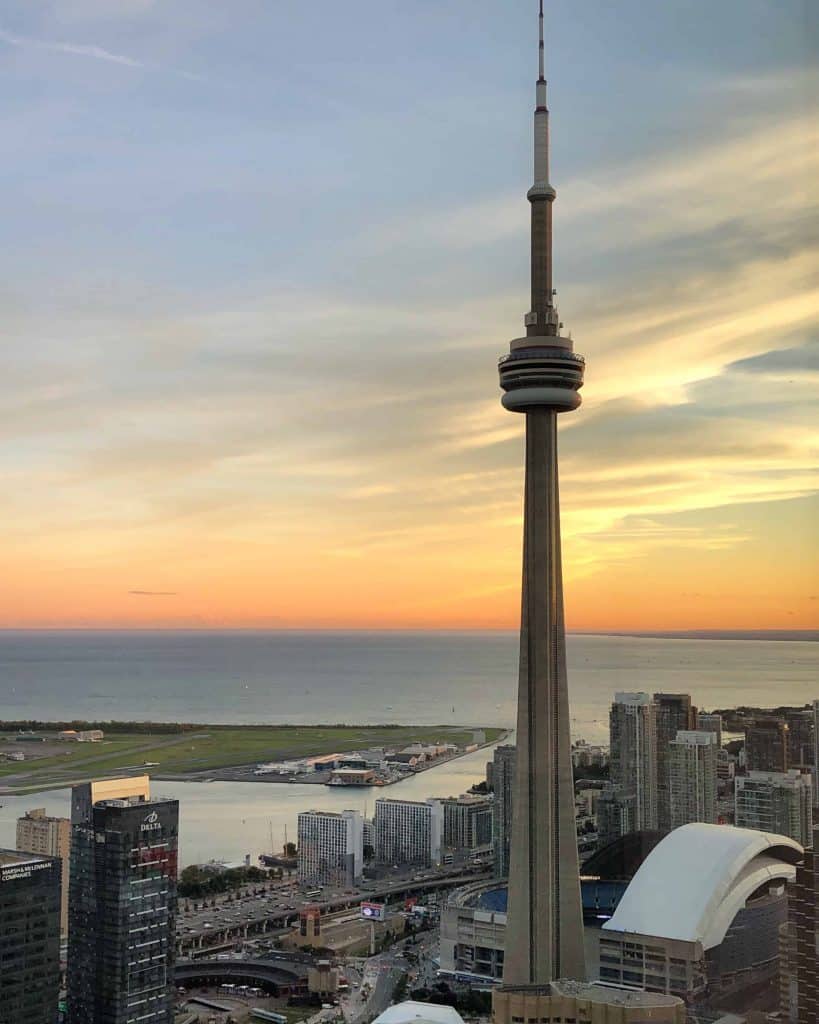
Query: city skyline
[[239, 277]]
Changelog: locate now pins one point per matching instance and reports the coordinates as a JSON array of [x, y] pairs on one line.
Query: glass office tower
[[122, 909], [30, 887]]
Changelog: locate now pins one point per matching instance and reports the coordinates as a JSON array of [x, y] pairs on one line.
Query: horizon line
[[727, 633]]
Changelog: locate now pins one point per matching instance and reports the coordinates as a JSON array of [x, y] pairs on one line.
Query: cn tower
[[540, 378]]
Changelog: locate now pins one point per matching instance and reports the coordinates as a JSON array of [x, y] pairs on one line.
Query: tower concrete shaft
[[545, 929], [541, 377]]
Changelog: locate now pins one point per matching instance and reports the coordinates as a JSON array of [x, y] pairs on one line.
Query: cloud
[[75, 49], [356, 421], [153, 593], [782, 361], [635, 204], [88, 50]]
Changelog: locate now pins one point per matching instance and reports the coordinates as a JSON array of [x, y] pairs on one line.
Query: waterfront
[[449, 678], [230, 819], [363, 678]]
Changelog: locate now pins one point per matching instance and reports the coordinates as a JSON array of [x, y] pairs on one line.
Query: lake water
[[419, 678], [301, 677], [230, 819]]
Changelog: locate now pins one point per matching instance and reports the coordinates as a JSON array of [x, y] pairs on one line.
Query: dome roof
[[411, 1012], [695, 881]]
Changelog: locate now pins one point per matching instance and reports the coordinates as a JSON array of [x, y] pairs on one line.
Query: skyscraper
[[408, 832], [710, 723], [692, 778], [816, 752], [673, 714], [503, 778], [541, 377], [29, 938], [803, 911], [122, 906], [766, 746], [86, 794], [633, 764], [331, 847], [37, 832], [778, 802], [801, 738], [467, 823]]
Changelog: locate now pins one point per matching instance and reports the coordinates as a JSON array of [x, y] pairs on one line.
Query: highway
[[276, 908]]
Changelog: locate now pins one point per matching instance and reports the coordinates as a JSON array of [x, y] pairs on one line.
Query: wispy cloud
[[344, 426], [74, 49], [89, 50]]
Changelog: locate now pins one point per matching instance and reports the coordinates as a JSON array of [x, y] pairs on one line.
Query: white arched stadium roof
[[695, 881], [410, 1012]]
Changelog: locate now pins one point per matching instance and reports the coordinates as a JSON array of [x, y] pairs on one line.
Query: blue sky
[[261, 258]]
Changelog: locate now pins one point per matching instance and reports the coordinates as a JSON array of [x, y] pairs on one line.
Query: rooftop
[[8, 857], [425, 1013], [134, 801], [629, 698], [695, 881], [611, 995]]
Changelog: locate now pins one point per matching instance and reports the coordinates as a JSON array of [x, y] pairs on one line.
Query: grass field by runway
[[208, 748]]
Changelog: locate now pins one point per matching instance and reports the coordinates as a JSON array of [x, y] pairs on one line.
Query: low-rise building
[[584, 1003], [473, 926], [352, 777], [81, 736], [473, 932], [323, 978]]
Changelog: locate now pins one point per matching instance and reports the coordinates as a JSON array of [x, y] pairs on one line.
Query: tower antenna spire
[[541, 48]]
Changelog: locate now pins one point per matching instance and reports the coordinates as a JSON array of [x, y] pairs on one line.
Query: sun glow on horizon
[[270, 399]]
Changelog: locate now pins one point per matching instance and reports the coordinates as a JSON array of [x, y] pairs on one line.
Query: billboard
[[373, 911]]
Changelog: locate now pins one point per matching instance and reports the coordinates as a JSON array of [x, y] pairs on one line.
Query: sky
[[260, 260]]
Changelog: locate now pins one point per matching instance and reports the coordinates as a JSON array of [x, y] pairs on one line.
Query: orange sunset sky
[[259, 272]]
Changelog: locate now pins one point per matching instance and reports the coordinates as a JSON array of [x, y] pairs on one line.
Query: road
[[379, 980], [280, 903]]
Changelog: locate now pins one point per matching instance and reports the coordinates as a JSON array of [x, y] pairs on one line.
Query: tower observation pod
[[541, 377]]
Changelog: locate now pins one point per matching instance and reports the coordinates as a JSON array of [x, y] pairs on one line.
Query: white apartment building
[[331, 847], [778, 802], [692, 777], [633, 754], [408, 832]]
